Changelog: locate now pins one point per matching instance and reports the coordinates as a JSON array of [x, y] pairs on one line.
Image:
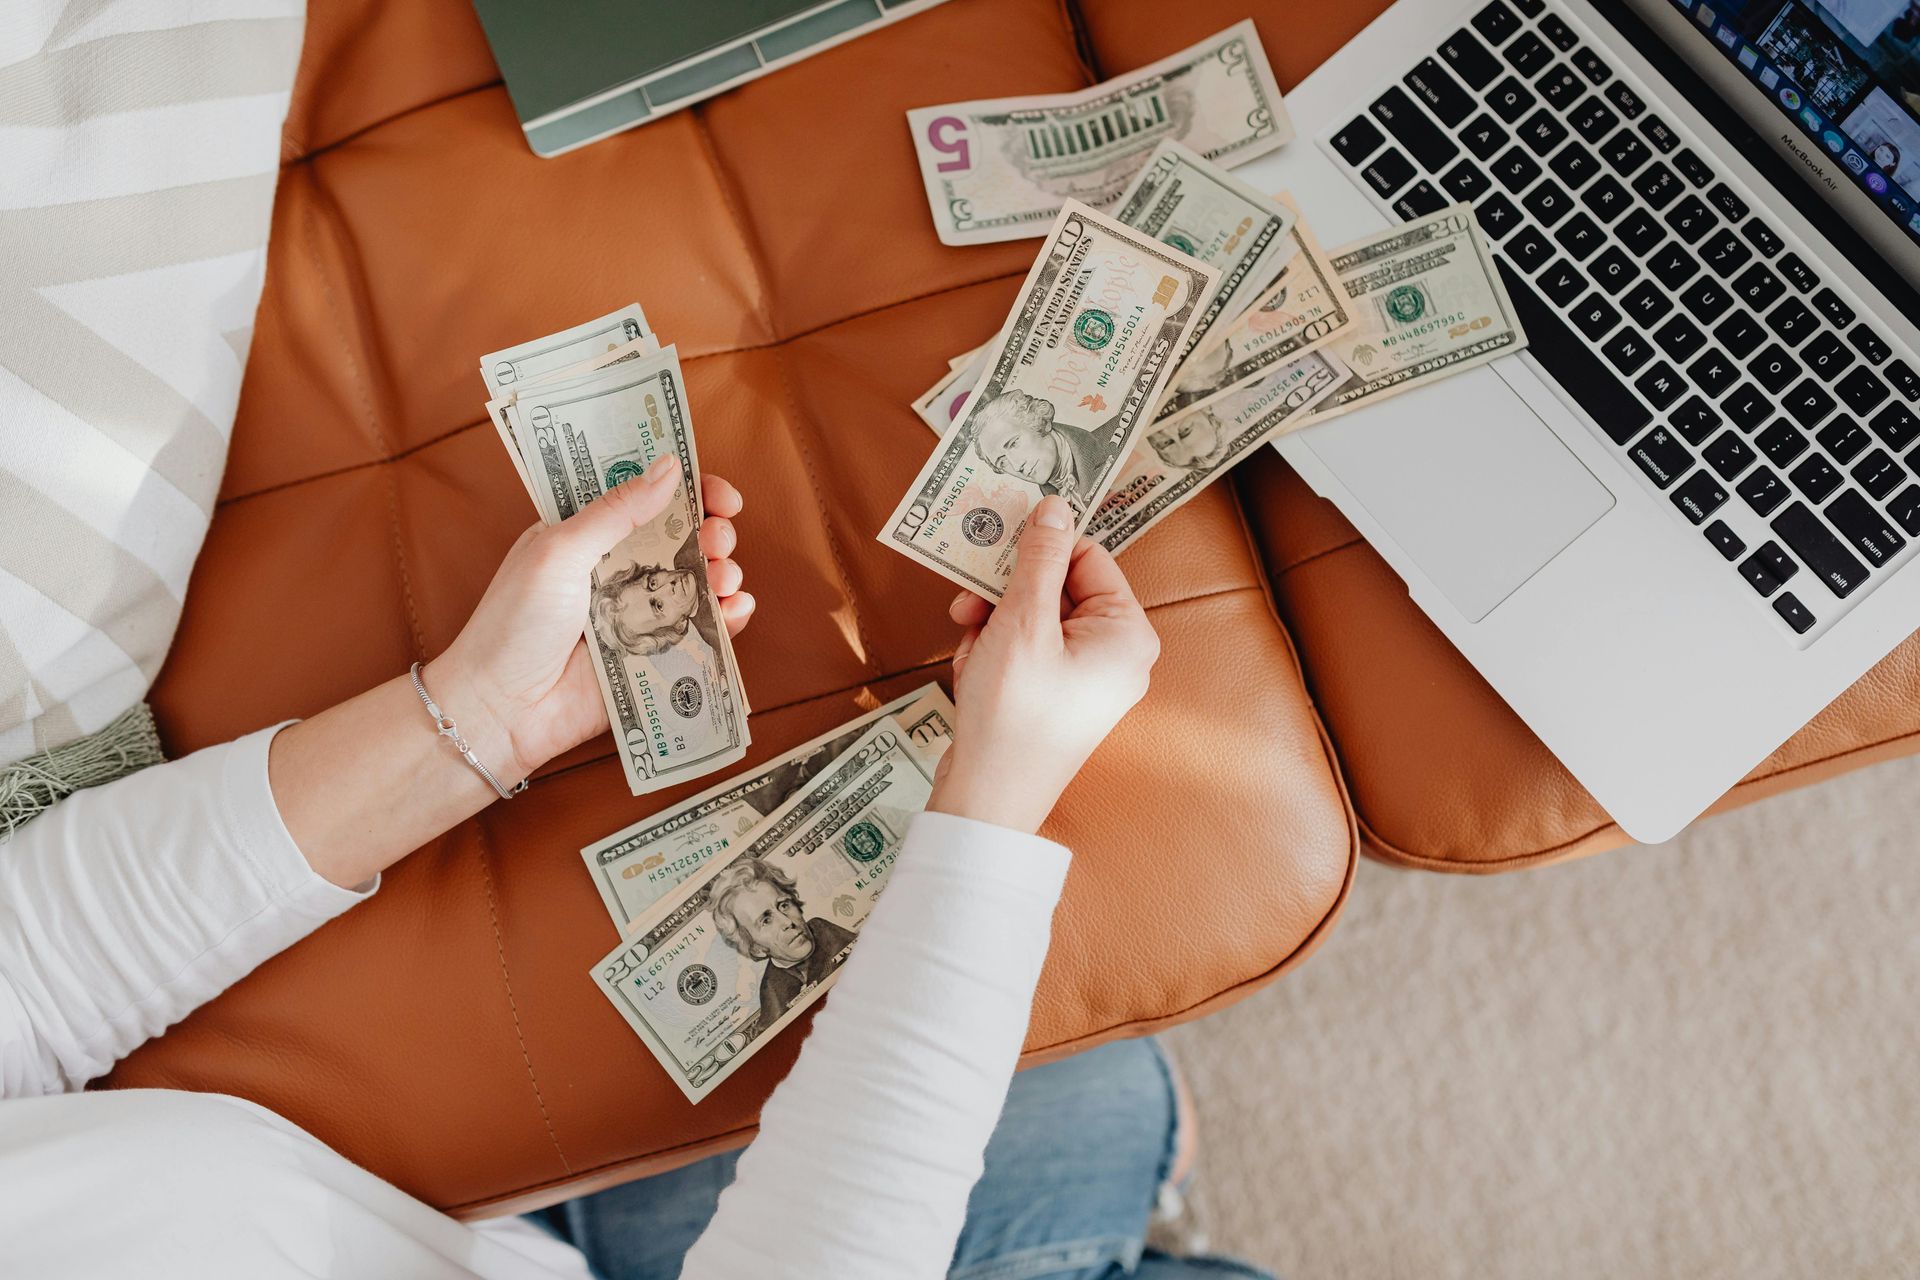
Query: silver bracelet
[[449, 730]]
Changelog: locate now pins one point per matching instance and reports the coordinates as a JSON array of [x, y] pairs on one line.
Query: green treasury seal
[[863, 842], [1406, 304], [622, 471], [1093, 328]]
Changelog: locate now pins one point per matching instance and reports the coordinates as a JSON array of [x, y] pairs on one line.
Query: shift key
[[1836, 567], [1415, 132], [1865, 528]]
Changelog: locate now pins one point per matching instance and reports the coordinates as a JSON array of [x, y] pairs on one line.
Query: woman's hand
[[1040, 679], [518, 677]]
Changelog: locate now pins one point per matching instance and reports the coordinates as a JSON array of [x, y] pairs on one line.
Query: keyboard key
[[1628, 351], [1713, 372], [1739, 333], [1528, 54], [1440, 92], [1673, 265], [1762, 490], [1580, 236], [1695, 170], [1781, 442], [1529, 8], [1591, 67], [1791, 320], [1680, 337], [1594, 316], [1773, 368], [1574, 165], [1761, 569], [1541, 131], [1614, 270], [1798, 273], [1657, 185], [1497, 216], [1904, 379], [1823, 553], [1510, 99], [1726, 253], [1625, 152], [1558, 32], [1795, 614], [1862, 525], [1762, 238], [1861, 390], [1572, 362], [1547, 202], [1646, 303], [1389, 172], [1483, 136], [1699, 496], [1562, 282], [1896, 425], [1690, 219], [1470, 59], [1624, 100], [1807, 403], [1655, 130], [1708, 301], [1419, 200], [1530, 249], [1638, 231], [1844, 439], [1747, 407], [1660, 454], [1515, 169], [1694, 419], [1722, 197], [1729, 455], [1496, 22], [1607, 198], [1661, 385], [1593, 119], [1815, 478], [1829, 304], [1868, 344], [1560, 87], [1905, 509], [1878, 473], [1360, 139], [1465, 182], [1411, 128], [1758, 287], [1725, 540]]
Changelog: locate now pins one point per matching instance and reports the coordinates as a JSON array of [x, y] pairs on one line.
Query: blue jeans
[[1072, 1172]]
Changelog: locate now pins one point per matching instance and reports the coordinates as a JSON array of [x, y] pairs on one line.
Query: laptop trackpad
[[1473, 486]]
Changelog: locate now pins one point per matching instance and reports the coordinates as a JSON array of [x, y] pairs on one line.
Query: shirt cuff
[[980, 850], [262, 841]]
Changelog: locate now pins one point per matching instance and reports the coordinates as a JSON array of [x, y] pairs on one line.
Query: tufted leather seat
[[444, 1034]]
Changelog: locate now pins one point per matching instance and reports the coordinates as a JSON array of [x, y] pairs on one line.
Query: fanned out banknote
[[732, 955], [636, 866], [1432, 305], [581, 412], [1001, 169], [1069, 383]]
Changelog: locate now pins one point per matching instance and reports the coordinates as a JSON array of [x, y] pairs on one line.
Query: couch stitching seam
[[1285, 569]]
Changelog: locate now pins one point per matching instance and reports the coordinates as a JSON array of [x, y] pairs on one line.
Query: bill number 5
[[947, 135]]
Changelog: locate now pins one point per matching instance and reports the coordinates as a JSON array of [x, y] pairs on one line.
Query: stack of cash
[[580, 412], [738, 907]]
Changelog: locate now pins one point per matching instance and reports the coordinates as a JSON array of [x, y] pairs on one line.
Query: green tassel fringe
[[29, 787]]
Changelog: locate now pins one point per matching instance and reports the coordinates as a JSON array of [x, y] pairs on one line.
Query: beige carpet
[[1698, 1060]]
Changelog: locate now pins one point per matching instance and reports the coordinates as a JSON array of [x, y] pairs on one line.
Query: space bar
[[1584, 375]]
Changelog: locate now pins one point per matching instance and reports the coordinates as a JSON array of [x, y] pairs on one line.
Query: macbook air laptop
[[1685, 519]]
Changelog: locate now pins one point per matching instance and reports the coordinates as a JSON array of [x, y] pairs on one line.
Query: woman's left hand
[[520, 665]]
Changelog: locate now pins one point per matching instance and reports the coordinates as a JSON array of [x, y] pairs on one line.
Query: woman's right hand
[[1041, 678]]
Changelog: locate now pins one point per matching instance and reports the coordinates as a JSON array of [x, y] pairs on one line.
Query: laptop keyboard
[[1714, 356]]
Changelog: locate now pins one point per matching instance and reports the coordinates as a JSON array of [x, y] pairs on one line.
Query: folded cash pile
[[738, 907], [580, 412]]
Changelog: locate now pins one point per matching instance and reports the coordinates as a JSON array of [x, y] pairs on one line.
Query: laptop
[[1685, 519]]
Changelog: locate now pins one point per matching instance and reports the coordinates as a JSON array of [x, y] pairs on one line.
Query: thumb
[[599, 527], [1040, 565]]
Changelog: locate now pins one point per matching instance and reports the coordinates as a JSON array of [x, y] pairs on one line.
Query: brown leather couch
[[445, 1034]]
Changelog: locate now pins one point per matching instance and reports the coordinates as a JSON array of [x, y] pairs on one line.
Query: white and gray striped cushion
[[139, 148]]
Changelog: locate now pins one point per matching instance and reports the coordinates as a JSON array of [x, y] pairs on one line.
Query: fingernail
[[958, 601], [1052, 513], [663, 469]]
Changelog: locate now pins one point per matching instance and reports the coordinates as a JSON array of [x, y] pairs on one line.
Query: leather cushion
[[445, 1034]]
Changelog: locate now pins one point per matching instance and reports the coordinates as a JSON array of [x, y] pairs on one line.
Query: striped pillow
[[142, 140]]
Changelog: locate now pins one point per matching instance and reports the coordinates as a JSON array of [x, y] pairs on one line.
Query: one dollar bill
[[733, 956], [1068, 384], [1001, 169]]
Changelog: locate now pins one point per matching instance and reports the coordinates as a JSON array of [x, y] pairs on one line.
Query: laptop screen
[[1845, 75]]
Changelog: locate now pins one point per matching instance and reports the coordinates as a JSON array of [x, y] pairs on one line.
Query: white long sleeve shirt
[[127, 906]]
